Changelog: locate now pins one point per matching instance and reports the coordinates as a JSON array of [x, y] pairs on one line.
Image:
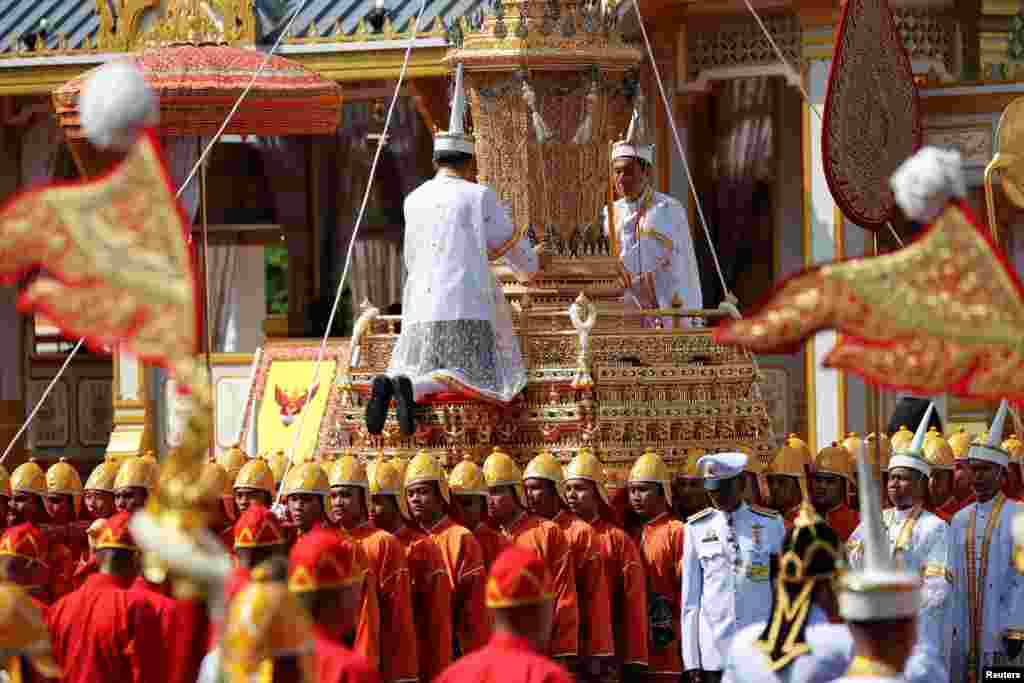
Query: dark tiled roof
[[75, 19]]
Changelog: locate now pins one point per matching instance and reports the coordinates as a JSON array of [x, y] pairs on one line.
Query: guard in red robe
[[105, 631], [28, 489], [519, 596], [63, 504], [506, 503], [833, 476], [326, 572], [469, 498]]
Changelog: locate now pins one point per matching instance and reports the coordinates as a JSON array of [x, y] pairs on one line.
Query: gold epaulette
[[700, 515], [765, 512]]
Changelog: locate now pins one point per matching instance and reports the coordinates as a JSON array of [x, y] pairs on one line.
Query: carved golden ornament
[[1008, 160], [937, 452], [960, 443], [232, 460], [1015, 447], [883, 448], [467, 478], [308, 477], [792, 458], [424, 467], [29, 477], [256, 474], [900, 441], [179, 22], [834, 460], [347, 471], [63, 478]]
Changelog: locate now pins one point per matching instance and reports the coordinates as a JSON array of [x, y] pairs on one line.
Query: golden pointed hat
[[29, 477], [901, 439], [424, 467], [62, 478], [649, 468], [136, 473], [960, 443], [307, 477], [586, 466], [232, 460], [102, 477], [1015, 447], [835, 460], [467, 479], [884, 447], [257, 475], [5, 482], [265, 621], [545, 466], [23, 631], [937, 452], [792, 458], [501, 470], [384, 479], [347, 471]]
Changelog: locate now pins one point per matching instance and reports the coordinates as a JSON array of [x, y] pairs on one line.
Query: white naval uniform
[[831, 652], [726, 582], [920, 542], [1001, 595], [456, 324], [659, 241]]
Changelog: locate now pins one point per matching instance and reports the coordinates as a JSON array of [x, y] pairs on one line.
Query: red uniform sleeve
[[565, 638], [473, 621], [631, 623], [145, 648], [398, 634]]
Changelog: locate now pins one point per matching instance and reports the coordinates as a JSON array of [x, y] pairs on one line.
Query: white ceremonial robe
[[654, 237], [726, 584], [920, 542], [999, 599], [831, 653], [456, 324]]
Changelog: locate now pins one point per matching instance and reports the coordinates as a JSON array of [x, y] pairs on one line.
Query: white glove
[[925, 182]]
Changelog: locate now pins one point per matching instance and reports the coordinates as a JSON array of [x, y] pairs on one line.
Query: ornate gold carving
[[974, 142]]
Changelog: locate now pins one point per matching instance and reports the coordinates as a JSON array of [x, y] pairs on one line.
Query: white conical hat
[[636, 144], [455, 139], [992, 450], [913, 456], [879, 590]]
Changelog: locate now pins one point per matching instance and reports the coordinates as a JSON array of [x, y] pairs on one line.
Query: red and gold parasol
[[198, 85]]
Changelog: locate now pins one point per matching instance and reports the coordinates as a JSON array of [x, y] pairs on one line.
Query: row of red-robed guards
[[407, 627]]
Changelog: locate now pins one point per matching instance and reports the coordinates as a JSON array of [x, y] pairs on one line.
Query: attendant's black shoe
[[377, 408], [405, 405]]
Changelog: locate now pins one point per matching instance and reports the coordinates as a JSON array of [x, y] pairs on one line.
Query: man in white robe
[[918, 541], [456, 331], [652, 235], [988, 609]]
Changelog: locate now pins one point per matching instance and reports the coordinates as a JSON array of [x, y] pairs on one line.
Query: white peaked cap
[[913, 457], [880, 590], [720, 466], [993, 450], [636, 144], [455, 138]]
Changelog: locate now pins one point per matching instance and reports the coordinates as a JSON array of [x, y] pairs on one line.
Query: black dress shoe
[[405, 405], [377, 408]]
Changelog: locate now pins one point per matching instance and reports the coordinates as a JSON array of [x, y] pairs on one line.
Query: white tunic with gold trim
[[653, 236], [456, 323], [920, 542], [985, 583]]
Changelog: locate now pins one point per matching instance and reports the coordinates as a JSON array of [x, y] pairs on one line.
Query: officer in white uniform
[[726, 567], [798, 644]]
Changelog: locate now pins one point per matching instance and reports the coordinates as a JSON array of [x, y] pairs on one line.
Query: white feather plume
[[116, 104], [925, 182]]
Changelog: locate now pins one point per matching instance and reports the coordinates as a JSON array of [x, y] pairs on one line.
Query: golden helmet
[[232, 460], [266, 621], [308, 477], [1015, 447], [501, 470], [63, 478], [102, 477], [278, 463], [545, 466], [5, 482], [384, 479], [214, 479], [688, 470], [884, 446], [255, 474], [136, 472], [937, 452], [835, 460], [29, 478], [23, 631], [900, 441], [960, 443], [347, 471], [424, 467], [586, 466], [467, 479], [649, 468], [792, 458], [399, 464], [852, 442]]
